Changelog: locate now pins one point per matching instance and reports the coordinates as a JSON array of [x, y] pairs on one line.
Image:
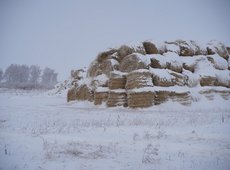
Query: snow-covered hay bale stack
[[101, 95], [117, 98], [139, 78], [140, 98], [152, 72]]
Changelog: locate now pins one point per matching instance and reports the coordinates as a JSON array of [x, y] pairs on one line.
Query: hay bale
[[139, 78], [84, 92], [108, 65], [117, 80], [71, 95], [161, 77], [94, 69], [132, 62], [150, 48], [123, 51], [117, 98], [140, 99], [210, 93], [207, 81], [159, 61], [185, 48], [172, 47], [161, 96], [99, 81], [100, 95], [183, 98], [105, 55], [77, 74]]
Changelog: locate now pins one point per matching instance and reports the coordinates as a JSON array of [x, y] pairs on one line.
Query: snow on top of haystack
[[161, 73], [219, 62], [102, 89], [205, 68]]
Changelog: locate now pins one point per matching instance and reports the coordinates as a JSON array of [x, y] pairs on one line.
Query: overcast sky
[[68, 34]]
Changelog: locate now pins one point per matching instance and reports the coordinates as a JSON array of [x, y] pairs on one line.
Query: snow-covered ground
[[43, 132]]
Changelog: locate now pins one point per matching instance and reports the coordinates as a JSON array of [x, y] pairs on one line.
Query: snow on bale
[[223, 78], [84, 92], [185, 47], [139, 78], [117, 98], [161, 96], [77, 74], [175, 62], [101, 95], [161, 77], [189, 63], [191, 79], [134, 61], [198, 48], [117, 80], [150, 47], [211, 93], [218, 62], [99, 81], [219, 48], [178, 78], [71, 94]]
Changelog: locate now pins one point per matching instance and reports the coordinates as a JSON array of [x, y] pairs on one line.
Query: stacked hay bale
[[143, 75], [117, 97], [137, 85], [101, 95], [117, 80], [183, 98]]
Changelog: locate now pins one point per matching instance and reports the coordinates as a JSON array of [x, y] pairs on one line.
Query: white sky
[[68, 34]]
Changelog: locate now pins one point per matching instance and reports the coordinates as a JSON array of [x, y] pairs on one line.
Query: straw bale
[[100, 96], [190, 67], [138, 79], [140, 99], [84, 92], [183, 98], [71, 95], [161, 77], [155, 63], [150, 48], [210, 93], [117, 98], [77, 74], [108, 65], [185, 48], [218, 62], [161, 97], [94, 69], [123, 51], [105, 55], [207, 81], [132, 62], [139, 49], [117, 83]]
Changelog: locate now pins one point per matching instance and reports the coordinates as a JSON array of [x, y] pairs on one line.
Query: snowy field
[[43, 132]]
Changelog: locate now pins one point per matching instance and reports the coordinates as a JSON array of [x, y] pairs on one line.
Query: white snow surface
[[43, 132]]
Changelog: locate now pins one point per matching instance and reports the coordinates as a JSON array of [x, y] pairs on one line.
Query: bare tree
[[49, 78], [35, 73], [1, 75]]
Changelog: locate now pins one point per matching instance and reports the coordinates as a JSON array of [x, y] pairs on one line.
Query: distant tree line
[[27, 77]]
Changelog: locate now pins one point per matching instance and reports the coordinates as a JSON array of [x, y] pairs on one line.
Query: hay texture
[[84, 92], [94, 69], [139, 78], [123, 51], [100, 95], [150, 47], [133, 62], [183, 98], [214, 47], [161, 96], [117, 98], [105, 55], [71, 95], [117, 80], [140, 99]]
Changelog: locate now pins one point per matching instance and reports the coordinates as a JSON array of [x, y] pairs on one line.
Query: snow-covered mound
[[152, 73]]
